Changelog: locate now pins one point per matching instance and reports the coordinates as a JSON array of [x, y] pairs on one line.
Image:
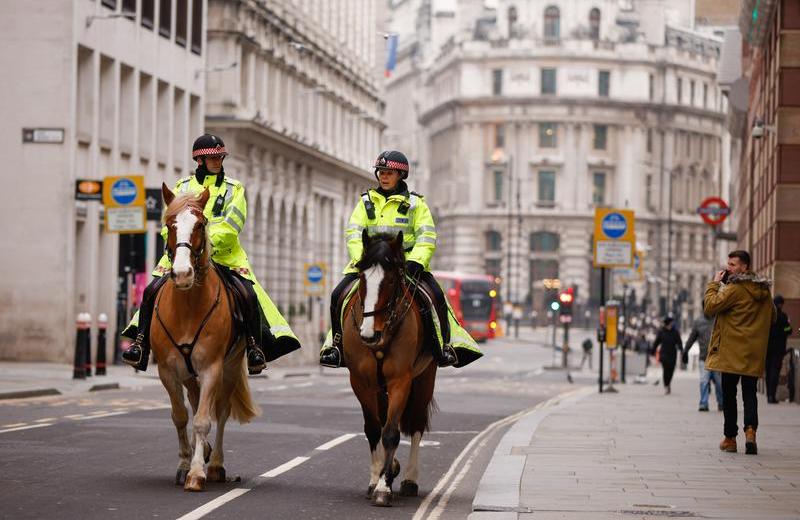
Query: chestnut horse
[[390, 372], [193, 339]]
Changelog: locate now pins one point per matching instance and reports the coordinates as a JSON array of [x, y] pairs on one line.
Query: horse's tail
[[242, 406]]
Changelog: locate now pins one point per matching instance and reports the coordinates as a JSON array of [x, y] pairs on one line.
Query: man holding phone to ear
[[741, 302]]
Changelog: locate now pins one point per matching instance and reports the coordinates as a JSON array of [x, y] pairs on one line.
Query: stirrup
[[331, 357], [256, 361], [140, 362], [447, 357]]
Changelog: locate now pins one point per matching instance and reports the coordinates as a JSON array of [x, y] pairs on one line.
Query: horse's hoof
[[383, 498], [216, 474], [408, 488], [395, 468], [370, 489], [207, 451], [195, 483], [180, 477]]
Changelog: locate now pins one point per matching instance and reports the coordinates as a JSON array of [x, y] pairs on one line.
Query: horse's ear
[[365, 238], [204, 197], [167, 194]]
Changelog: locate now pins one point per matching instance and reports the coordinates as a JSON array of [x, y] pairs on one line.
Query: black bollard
[[88, 345], [79, 370], [100, 358]]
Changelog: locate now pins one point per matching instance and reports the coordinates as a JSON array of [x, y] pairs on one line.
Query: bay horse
[[193, 338], [391, 374]]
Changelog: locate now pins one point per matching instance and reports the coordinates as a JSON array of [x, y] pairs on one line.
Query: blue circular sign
[[614, 225], [123, 191], [314, 274]]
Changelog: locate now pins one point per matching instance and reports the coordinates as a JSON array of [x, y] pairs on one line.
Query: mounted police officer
[[390, 208], [226, 210]]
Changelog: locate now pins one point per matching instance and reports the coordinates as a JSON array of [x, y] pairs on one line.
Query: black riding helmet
[[392, 160], [208, 144]]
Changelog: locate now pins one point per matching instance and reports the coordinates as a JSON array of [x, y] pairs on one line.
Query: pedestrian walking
[[776, 348], [668, 343], [740, 301], [701, 333], [587, 346]]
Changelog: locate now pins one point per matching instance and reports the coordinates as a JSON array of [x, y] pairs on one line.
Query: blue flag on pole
[[391, 54]]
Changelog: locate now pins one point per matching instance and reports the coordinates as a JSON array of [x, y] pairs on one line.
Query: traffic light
[[566, 298]]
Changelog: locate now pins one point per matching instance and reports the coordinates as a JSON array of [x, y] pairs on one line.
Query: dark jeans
[[668, 364], [773, 370], [729, 382]]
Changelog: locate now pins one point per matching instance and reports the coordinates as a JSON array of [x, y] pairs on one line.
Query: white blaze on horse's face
[[182, 268], [373, 277]]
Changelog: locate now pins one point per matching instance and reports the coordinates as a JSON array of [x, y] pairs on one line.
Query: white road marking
[[73, 416], [29, 427], [14, 425], [279, 387], [46, 419], [106, 414], [335, 442], [422, 444], [203, 510], [303, 385], [283, 468]]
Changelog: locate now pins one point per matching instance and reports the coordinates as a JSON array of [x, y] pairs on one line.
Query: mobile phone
[[725, 276]]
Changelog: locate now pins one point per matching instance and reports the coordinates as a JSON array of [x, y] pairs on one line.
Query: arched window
[[552, 23], [512, 21], [494, 241], [594, 24], [544, 242]]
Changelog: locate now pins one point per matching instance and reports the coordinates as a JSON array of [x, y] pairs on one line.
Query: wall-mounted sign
[[714, 211], [43, 135], [124, 198], [87, 189]]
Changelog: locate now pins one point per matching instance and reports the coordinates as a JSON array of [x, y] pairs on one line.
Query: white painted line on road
[[203, 510], [46, 419], [14, 425], [283, 468], [344, 390], [106, 414], [335, 442], [279, 387], [303, 385], [73, 416], [29, 427]]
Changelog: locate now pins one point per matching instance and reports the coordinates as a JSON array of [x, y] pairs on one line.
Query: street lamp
[[499, 157]]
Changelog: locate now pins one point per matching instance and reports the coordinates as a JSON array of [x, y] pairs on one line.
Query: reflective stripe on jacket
[[419, 230]]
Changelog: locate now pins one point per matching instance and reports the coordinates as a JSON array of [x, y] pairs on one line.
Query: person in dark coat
[[776, 348], [668, 341], [701, 332]]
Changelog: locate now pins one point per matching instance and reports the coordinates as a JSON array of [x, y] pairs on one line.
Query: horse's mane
[[181, 202], [379, 251]]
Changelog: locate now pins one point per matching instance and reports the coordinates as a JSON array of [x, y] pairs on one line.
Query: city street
[[113, 454]]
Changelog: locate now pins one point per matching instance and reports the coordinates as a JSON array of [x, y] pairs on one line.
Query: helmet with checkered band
[[392, 160], [208, 145]]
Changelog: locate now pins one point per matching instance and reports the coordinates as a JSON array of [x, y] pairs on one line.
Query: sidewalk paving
[[641, 454]]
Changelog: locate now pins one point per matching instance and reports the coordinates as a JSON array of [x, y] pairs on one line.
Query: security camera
[[758, 129]]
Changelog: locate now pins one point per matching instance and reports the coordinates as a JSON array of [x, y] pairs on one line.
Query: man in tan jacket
[[741, 302]]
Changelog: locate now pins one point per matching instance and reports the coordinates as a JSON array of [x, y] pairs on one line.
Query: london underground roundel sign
[[714, 211]]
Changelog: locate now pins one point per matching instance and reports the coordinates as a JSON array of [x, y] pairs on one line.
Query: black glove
[[685, 358], [414, 268]]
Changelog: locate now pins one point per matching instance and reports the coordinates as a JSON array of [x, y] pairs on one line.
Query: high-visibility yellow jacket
[[224, 229], [406, 211]]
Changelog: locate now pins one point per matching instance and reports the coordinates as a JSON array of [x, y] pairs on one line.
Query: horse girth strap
[[186, 348]]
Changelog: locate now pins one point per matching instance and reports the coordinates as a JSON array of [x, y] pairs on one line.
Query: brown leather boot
[[728, 444], [750, 447]]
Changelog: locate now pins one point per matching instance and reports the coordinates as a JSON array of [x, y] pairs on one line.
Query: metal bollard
[[81, 342], [100, 358], [88, 342]]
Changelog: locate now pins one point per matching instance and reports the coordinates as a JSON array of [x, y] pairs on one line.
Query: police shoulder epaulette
[[420, 195], [232, 182]]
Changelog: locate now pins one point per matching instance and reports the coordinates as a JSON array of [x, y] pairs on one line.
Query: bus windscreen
[[476, 302]]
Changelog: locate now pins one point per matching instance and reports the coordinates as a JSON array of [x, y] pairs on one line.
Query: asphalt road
[[113, 454]]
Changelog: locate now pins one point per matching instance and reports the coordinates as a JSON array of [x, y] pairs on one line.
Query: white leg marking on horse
[[378, 459], [412, 470], [382, 485], [184, 223], [373, 277]]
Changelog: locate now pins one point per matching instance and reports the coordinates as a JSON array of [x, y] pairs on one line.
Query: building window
[[652, 88], [492, 266], [494, 241], [649, 140], [129, 7], [648, 191], [552, 24], [499, 136], [497, 185], [691, 93], [691, 245], [594, 24], [548, 81], [705, 95], [148, 13], [165, 18], [111, 4], [598, 188], [679, 95], [544, 242], [603, 81], [544, 270], [497, 82], [547, 186], [704, 246], [547, 135], [512, 21], [197, 26], [600, 137], [181, 26]]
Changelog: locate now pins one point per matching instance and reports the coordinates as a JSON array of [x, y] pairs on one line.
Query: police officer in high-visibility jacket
[[226, 211], [390, 208]]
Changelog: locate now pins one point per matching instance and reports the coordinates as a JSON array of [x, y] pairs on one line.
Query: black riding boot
[[444, 356], [256, 362], [138, 354], [332, 357]]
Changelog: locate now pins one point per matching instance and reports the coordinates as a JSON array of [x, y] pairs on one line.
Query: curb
[[499, 487], [22, 394]]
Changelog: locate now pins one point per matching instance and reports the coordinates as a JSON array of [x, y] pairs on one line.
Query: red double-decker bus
[[473, 298]]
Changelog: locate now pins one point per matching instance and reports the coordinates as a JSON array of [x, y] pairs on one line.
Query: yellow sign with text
[[614, 237], [124, 201]]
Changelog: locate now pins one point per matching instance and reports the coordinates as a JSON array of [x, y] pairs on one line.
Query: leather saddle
[[244, 306]]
